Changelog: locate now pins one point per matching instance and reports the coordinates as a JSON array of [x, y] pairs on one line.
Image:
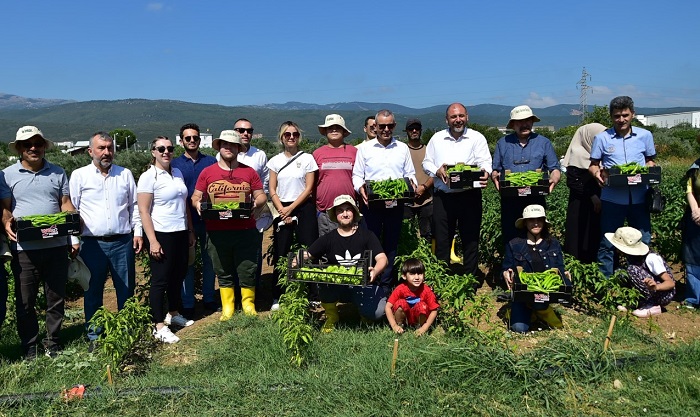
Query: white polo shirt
[[169, 205]]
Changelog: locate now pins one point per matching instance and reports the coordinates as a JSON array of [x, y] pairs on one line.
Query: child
[[648, 271], [412, 300]]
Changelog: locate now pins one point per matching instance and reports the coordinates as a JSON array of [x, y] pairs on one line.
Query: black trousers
[[452, 211]]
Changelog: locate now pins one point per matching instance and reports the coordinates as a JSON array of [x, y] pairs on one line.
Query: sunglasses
[[389, 126], [162, 149], [288, 135], [36, 144], [191, 139], [243, 130]]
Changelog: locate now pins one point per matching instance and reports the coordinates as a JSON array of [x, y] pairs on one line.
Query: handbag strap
[[290, 161]]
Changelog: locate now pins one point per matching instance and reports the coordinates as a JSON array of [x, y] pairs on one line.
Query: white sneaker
[[178, 320], [647, 311], [165, 335], [275, 305]]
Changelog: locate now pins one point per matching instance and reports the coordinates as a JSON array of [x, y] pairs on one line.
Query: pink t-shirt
[[334, 174]]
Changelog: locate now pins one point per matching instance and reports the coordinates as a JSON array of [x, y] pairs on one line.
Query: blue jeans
[[692, 284], [612, 216], [520, 314], [208, 275], [117, 258]]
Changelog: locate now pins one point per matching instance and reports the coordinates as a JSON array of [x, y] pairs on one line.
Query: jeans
[[208, 275], [117, 258], [692, 284], [520, 314], [612, 216]]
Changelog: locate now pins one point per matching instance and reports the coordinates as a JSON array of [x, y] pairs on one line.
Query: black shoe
[[92, 346], [209, 308], [31, 354], [53, 351]]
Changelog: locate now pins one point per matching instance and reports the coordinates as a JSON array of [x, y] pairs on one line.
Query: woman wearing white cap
[[648, 271], [536, 252]]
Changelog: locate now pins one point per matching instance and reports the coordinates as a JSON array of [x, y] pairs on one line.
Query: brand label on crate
[[225, 215], [390, 203], [522, 192], [634, 179], [48, 232], [541, 298]]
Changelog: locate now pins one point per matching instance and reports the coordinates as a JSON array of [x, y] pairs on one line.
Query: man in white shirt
[[250, 155], [457, 207], [105, 195], [383, 158]]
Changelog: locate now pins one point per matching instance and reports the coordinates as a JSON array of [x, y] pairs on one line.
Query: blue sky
[[414, 53]]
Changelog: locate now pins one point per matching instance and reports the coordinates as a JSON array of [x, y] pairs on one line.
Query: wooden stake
[[109, 375], [610, 330], [393, 358]]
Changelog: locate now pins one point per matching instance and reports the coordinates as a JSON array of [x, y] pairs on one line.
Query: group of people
[[321, 201]]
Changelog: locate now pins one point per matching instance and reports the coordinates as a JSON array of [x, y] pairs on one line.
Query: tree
[[600, 114], [120, 136]]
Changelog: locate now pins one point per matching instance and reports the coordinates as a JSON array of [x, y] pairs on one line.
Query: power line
[[583, 100]]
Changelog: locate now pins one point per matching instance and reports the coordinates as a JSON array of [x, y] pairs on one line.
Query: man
[[233, 244], [454, 208], [618, 145], [422, 206], [523, 150], [191, 163], [250, 155], [379, 159], [38, 187], [370, 128], [335, 162], [105, 195]]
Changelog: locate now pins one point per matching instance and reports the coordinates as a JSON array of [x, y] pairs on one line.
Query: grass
[[241, 367]]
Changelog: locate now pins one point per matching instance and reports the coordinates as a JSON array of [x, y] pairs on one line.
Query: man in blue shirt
[[615, 146], [191, 164], [523, 150]]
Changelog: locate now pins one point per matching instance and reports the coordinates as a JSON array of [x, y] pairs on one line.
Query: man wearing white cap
[[38, 187], [523, 150], [233, 244]]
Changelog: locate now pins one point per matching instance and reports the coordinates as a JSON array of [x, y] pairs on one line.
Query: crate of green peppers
[[225, 211], [45, 226], [523, 184], [389, 193], [462, 176], [633, 174], [541, 287], [346, 275]]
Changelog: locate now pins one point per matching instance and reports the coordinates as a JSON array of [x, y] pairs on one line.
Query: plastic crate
[[294, 273], [208, 213], [540, 189], [26, 231], [519, 291], [374, 201], [616, 179], [463, 179]]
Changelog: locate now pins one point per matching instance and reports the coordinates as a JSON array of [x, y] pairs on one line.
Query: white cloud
[[155, 7], [535, 100]]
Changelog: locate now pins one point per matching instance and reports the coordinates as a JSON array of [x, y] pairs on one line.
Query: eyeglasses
[[243, 130], [162, 149], [288, 135], [191, 138], [412, 128], [389, 126], [36, 144]]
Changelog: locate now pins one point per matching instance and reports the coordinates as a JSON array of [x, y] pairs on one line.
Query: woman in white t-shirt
[[165, 215], [292, 179]]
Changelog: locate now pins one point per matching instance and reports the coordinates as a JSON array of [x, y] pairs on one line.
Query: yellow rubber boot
[[248, 301], [332, 317], [550, 317], [227, 306]]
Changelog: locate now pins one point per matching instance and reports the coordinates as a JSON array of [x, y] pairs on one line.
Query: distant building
[[671, 119], [78, 148], [206, 139], [63, 145]]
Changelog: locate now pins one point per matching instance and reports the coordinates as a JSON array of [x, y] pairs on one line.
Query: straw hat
[[533, 211], [26, 133], [521, 113], [230, 136], [334, 119], [342, 199], [79, 272], [628, 240]]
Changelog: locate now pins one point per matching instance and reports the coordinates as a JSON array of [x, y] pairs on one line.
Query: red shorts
[[412, 312]]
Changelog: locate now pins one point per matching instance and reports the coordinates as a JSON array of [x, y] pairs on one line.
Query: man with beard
[[105, 195], [454, 208], [38, 187], [523, 150]]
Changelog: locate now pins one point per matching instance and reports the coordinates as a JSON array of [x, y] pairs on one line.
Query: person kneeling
[[412, 300]]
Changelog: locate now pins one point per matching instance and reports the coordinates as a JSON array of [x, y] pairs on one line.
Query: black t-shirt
[[345, 250]]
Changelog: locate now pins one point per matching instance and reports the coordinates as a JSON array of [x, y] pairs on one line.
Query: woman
[[582, 236], [691, 236], [165, 215], [292, 179], [536, 252]]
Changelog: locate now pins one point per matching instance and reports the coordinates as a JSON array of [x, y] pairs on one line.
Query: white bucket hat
[[521, 113], [334, 119], [230, 136], [79, 272], [342, 199], [265, 216], [533, 211], [628, 240], [26, 133]]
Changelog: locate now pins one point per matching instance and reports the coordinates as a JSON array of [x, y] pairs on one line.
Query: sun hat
[[411, 122], [342, 199], [265, 216], [25, 133], [628, 240], [79, 272], [334, 119], [230, 136], [521, 113], [533, 211]]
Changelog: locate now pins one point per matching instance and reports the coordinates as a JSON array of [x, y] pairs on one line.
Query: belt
[[110, 238]]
